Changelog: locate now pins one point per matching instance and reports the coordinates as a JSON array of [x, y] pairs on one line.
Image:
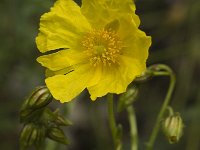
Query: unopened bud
[[173, 128], [39, 98], [29, 115], [41, 133], [32, 135], [28, 136], [58, 135], [127, 98], [61, 121]]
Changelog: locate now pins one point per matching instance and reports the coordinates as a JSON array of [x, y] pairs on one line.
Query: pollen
[[102, 47]]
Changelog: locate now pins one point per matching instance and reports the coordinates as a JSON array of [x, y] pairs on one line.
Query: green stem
[[163, 108], [112, 123], [161, 73], [51, 145], [133, 128], [170, 110]]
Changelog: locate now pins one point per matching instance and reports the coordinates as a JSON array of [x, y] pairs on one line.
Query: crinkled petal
[[62, 59], [66, 87], [104, 11], [62, 27], [135, 42], [116, 79]]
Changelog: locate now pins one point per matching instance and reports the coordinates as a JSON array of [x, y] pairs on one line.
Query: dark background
[[174, 27]]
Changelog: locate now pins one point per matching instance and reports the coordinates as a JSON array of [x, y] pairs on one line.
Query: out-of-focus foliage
[[174, 27]]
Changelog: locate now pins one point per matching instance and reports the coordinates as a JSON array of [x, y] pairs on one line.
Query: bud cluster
[[39, 121]]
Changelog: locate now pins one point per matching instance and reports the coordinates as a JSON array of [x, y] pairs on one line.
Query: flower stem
[[163, 108], [51, 145], [112, 122], [170, 110], [133, 128]]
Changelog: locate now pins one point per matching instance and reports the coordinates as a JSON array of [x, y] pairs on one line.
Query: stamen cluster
[[102, 47]]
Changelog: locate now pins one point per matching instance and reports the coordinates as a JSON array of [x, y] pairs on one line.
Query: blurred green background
[[174, 27]]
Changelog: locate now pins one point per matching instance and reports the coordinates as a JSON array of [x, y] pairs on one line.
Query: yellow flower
[[99, 47]]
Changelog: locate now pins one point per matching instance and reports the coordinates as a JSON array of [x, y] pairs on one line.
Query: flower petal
[[136, 43], [104, 11], [62, 27], [66, 87], [62, 59], [116, 79]]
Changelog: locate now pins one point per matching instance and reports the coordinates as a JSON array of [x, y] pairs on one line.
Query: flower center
[[102, 47]]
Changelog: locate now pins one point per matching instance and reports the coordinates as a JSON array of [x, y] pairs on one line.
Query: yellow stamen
[[102, 47]]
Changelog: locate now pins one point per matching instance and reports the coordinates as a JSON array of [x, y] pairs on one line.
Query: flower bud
[[32, 135], [127, 98], [61, 121], [173, 128], [41, 133], [57, 134], [28, 136], [29, 115], [39, 98], [51, 119]]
